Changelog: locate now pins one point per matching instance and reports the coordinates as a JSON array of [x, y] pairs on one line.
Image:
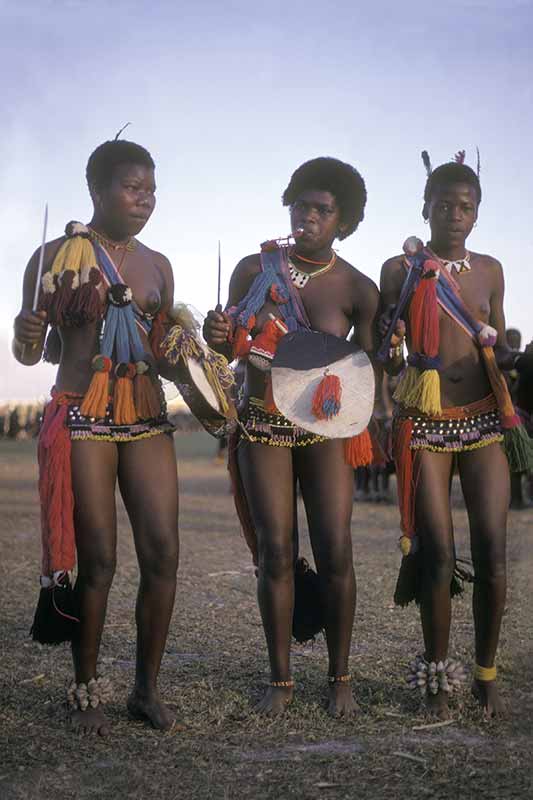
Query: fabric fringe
[[518, 449], [123, 404], [94, 403], [56, 616], [358, 450], [146, 399], [421, 392], [326, 400]]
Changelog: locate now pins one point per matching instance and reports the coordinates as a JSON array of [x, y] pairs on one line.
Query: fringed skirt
[[273, 429], [457, 429], [107, 430]]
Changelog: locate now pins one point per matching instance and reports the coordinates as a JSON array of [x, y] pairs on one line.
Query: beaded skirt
[[107, 430], [273, 428], [457, 429]]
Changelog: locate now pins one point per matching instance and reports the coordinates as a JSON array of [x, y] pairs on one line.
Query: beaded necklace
[[128, 246], [300, 278]]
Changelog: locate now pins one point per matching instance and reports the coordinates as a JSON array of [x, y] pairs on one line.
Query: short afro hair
[[331, 175], [107, 156], [449, 173]]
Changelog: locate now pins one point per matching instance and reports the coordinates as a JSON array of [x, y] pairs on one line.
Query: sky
[[230, 97]]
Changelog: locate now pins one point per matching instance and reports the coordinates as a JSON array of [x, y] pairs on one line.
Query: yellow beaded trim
[[498, 437], [339, 679], [118, 437], [485, 673], [282, 684]]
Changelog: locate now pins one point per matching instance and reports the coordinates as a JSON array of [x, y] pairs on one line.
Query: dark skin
[[334, 302], [484, 473], [145, 469]]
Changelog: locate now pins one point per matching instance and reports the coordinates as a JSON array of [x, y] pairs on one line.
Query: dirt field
[[215, 667]]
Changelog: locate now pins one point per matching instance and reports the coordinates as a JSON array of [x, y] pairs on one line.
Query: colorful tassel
[[97, 396], [147, 403], [424, 392], [518, 449], [358, 450], [326, 402], [242, 341], [123, 404]]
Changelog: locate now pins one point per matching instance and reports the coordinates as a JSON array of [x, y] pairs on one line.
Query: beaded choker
[[128, 246], [300, 278]]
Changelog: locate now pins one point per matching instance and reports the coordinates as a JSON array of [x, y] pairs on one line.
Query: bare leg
[[267, 475], [327, 486], [434, 527], [148, 484], [94, 469], [486, 487]]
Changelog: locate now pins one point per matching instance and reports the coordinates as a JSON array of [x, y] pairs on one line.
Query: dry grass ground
[[215, 667]]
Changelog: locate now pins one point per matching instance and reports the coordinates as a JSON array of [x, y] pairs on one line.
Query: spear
[[39, 272], [219, 307]]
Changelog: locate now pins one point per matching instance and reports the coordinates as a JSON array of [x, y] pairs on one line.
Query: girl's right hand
[[217, 327], [30, 327]]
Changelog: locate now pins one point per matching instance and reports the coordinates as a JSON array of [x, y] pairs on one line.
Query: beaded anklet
[[333, 679], [485, 673], [81, 696], [282, 684]]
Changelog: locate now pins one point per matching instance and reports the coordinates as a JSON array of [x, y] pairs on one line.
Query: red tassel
[[404, 459], [326, 401], [62, 298], [424, 318], [358, 450], [241, 342], [55, 490]]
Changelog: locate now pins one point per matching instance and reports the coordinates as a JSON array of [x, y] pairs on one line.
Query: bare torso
[[334, 302], [463, 377], [149, 276]]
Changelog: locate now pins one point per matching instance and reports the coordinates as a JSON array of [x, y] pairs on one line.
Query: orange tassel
[[97, 395], [147, 404], [358, 450], [326, 401], [123, 406]]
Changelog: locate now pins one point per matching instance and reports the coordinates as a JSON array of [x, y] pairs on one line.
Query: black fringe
[[308, 617], [409, 583], [56, 616]]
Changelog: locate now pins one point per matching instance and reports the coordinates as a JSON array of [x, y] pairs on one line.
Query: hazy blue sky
[[230, 97]]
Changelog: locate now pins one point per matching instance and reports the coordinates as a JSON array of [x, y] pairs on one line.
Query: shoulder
[[158, 259], [248, 266], [393, 266], [490, 268], [50, 251], [364, 290]]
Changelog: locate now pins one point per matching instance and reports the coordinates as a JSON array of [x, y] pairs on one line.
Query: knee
[[335, 560], [276, 557], [97, 570], [489, 564], [439, 563], [159, 555]]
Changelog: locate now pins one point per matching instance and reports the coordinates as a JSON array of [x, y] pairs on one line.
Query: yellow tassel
[[96, 397], [74, 254], [421, 391], [406, 385], [405, 545], [123, 405]]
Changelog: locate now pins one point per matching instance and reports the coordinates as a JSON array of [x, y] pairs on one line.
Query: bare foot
[[437, 705], [488, 697], [150, 708], [90, 722], [275, 700], [341, 701]]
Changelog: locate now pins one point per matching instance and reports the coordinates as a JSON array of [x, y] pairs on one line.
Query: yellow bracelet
[[485, 673]]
